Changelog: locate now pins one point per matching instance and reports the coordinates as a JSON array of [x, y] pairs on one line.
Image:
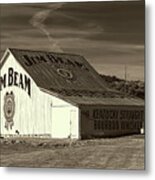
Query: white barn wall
[[23, 103], [39, 114], [60, 112]]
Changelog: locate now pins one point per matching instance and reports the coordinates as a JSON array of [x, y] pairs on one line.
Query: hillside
[[127, 88]]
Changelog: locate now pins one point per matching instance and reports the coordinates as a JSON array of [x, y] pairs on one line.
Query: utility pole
[[125, 77], [125, 73]]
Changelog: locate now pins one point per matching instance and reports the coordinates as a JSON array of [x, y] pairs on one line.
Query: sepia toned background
[[109, 34]]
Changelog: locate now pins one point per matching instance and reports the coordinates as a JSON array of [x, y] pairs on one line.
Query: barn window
[[95, 124], [99, 125], [102, 125]]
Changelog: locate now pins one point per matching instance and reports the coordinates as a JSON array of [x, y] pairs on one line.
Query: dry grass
[[114, 153]]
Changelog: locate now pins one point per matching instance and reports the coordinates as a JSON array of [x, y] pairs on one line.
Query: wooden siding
[[36, 114], [109, 121]]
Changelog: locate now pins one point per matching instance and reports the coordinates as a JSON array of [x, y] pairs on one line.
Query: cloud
[[109, 33], [133, 72], [38, 22]]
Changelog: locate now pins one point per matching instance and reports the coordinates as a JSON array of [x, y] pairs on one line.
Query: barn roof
[[68, 76], [57, 71], [108, 101]]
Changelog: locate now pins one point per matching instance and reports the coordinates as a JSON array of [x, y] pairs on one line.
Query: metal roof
[[59, 71], [112, 101], [68, 76]]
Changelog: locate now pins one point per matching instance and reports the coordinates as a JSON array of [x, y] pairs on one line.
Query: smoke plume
[[38, 20]]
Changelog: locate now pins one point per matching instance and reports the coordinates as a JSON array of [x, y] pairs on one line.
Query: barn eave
[[58, 96]]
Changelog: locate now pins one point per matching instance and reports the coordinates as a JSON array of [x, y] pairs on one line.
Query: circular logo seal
[[65, 73], [9, 109]]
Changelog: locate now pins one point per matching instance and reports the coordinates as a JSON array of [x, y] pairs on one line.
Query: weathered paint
[[38, 113], [108, 121]]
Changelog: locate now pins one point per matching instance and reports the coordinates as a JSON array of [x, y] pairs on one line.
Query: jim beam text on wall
[[14, 78]]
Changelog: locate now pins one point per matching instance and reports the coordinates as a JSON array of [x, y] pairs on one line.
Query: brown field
[[109, 153]]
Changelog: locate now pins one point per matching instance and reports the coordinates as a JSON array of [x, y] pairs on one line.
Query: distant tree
[[129, 88]]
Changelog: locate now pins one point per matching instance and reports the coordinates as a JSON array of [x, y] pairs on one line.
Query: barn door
[[73, 124]]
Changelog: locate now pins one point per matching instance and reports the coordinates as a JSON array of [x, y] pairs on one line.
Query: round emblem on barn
[[65, 73], [9, 109]]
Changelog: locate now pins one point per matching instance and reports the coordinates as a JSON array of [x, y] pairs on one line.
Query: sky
[[110, 35]]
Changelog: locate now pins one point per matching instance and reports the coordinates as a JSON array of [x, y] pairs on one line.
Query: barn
[[58, 95]]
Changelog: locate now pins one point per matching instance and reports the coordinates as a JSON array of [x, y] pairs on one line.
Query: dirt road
[[114, 153]]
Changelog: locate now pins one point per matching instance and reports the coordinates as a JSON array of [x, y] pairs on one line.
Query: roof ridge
[[41, 51]]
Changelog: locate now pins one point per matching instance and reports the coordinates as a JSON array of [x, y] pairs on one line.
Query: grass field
[[109, 153]]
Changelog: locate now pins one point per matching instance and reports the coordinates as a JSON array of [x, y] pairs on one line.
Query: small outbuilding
[[60, 95]]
